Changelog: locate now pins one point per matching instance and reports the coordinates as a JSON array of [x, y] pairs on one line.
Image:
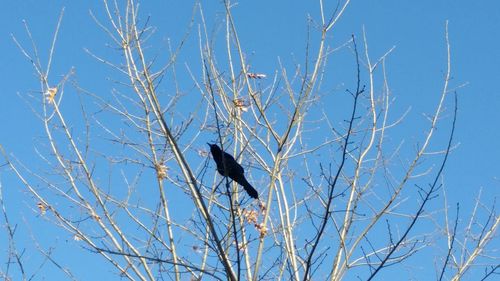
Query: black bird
[[228, 167]]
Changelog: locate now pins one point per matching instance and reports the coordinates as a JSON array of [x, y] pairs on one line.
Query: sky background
[[273, 31]]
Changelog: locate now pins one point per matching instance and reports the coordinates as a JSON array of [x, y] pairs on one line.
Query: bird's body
[[228, 167]]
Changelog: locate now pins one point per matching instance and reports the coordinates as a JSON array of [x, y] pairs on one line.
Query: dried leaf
[[42, 208], [51, 94], [251, 216], [161, 171], [256, 75], [262, 229], [241, 104]]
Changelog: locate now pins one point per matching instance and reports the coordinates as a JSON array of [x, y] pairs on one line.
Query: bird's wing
[[232, 166]]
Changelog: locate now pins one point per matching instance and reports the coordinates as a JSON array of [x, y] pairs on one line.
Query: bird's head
[[214, 147]]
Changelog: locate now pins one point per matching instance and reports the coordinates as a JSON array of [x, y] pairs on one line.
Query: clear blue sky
[[272, 30]]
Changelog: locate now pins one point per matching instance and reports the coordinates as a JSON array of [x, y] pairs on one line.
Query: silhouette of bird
[[228, 167]]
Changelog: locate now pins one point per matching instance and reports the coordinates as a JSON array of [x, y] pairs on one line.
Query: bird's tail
[[248, 187]]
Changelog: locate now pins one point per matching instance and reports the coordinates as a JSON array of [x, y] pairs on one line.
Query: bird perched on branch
[[228, 167]]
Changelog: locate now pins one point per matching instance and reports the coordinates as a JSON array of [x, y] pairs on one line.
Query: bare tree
[[132, 182]]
